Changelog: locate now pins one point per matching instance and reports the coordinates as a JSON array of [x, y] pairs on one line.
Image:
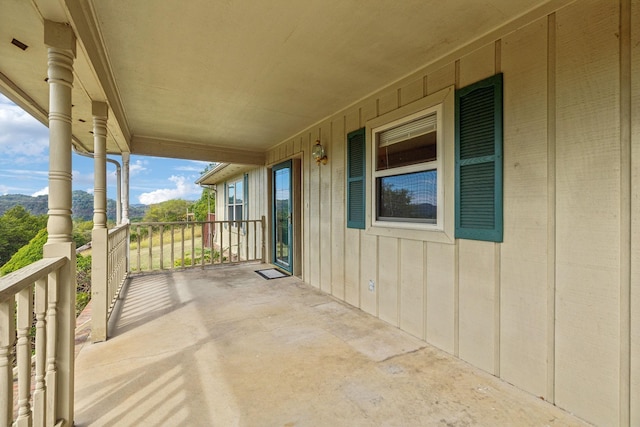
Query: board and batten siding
[[555, 308], [632, 153], [257, 207]]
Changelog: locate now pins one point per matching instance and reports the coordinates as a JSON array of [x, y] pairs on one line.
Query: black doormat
[[271, 273]]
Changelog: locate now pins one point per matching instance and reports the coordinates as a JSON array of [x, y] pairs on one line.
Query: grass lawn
[[173, 249]]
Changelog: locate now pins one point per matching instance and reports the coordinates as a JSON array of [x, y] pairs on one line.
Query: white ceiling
[[226, 80]]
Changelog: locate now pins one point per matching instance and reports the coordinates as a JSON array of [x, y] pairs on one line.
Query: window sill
[[405, 231]]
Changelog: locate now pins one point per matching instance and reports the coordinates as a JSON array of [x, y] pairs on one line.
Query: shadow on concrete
[[222, 346]]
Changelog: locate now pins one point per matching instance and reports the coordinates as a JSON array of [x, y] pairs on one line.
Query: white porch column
[[125, 201], [99, 235], [118, 194], [61, 43], [99, 110], [125, 188]]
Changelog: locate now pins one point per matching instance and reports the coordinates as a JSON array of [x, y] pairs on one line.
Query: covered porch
[[550, 305], [223, 346]]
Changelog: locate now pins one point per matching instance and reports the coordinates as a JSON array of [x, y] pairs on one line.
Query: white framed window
[[411, 170], [407, 166], [236, 201]]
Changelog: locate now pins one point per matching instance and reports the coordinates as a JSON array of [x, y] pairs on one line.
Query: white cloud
[[194, 166], [23, 139], [43, 192], [184, 189], [138, 166], [81, 180], [21, 181], [23, 174]]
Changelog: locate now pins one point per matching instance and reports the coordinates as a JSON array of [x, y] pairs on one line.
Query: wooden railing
[[171, 245], [117, 263], [109, 270], [27, 294]]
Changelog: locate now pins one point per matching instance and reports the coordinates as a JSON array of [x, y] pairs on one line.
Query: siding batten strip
[[551, 206], [359, 269], [497, 254], [625, 212], [344, 198], [497, 57], [456, 274], [496, 312], [377, 278], [456, 299], [425, 283], [399, 281]]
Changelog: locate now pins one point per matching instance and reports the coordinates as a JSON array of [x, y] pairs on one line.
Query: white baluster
[[51, 375], [23, 355], [7, 341], [39, 394]]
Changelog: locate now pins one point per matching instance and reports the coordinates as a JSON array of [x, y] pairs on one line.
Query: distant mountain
[[35, 205], [425, 210], [81, 205]]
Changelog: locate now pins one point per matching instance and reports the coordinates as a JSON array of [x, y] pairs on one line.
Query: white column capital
[[60, 36], [100, 109]]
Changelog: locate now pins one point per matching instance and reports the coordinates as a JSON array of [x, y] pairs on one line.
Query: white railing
[[117, 263], [109, 270], [27, 294], [170, 245]]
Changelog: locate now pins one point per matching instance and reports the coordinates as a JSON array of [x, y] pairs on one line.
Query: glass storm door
[[282, 217]]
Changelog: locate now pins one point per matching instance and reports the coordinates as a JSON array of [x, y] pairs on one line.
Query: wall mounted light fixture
[[319, 154]]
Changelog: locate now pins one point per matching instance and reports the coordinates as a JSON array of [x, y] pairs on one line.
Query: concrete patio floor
[[225, 347]]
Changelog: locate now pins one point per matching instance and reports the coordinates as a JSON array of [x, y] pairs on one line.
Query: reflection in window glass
[[408, 197], [235, 201], [239, 193]]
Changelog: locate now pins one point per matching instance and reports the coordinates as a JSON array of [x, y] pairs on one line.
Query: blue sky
[[24, 165]]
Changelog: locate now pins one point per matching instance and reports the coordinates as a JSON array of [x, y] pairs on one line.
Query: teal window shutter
[[356, 165], [478, 154]]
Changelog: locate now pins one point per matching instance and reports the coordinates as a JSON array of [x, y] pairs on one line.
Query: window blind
[[409, 130]]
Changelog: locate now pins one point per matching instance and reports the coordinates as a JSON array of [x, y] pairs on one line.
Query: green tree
[[32, 252], [396, 202], [82, 232], [169, 211], [201, 207], [28, 254], [17, 228], [83, 282]]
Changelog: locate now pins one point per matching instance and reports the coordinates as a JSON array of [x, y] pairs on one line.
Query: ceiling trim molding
[[83, 21], [149, 146], [222, 172], [23, 100]]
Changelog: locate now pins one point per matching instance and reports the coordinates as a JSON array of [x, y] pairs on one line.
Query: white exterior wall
[[545, 309], [256, 208], [634, 201]]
